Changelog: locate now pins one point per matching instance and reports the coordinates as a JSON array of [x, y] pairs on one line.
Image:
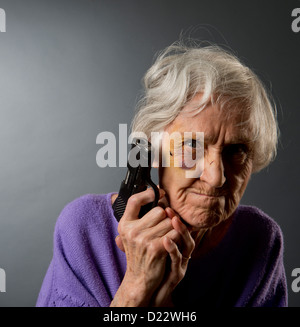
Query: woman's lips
[[204, 199], [210, 193], [207, 195]]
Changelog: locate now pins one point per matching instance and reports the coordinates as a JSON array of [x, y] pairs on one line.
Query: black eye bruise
[[235, 151]]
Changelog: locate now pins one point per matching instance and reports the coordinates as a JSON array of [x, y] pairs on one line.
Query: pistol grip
[[119, 205]]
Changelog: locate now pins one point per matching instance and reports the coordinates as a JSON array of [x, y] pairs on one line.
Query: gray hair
[[180, 72]]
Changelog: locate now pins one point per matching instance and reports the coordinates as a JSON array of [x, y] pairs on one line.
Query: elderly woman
[[199, 246]]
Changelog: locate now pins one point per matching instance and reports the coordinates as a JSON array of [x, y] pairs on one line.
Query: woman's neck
[[207, 239]]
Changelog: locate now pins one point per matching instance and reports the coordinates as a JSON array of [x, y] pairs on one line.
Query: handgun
[[137, 178]]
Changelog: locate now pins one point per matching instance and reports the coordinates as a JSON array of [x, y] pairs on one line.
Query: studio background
[[70, 69]]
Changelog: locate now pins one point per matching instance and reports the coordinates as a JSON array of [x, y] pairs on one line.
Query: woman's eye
[[191, 152], [191, 143], [187, 152], [236, 152]]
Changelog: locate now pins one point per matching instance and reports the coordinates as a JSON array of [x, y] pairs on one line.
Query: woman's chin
[[202, 218]]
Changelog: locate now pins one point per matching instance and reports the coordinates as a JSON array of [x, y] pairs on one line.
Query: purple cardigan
[[245, 269]]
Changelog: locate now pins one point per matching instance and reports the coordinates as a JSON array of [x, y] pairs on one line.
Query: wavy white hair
[[181, 71]]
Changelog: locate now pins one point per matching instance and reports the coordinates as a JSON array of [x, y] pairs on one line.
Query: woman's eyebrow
[[243, 138], [239, 139]]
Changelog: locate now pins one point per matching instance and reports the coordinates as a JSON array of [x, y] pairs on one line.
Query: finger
[[136, 201], [119, 243], [170, 212], [173, 251], [176, 256], [185, 242], [174, 236], [163, 202], [159, 229], [153, 217], [188, 244]]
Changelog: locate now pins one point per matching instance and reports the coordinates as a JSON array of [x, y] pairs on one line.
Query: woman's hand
[[147, 242], [179, 244], [142, 242]]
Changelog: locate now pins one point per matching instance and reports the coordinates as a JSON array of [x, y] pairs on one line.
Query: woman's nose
[[213, 172]]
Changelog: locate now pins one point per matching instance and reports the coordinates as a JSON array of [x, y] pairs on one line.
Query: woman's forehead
[[213, 121]]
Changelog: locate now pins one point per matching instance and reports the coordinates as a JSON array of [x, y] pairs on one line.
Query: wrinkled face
[[205, 201]]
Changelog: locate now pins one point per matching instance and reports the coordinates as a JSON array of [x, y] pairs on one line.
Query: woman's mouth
[[207, 195]]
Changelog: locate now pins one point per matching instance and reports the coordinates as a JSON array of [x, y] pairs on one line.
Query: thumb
[[119, 243]]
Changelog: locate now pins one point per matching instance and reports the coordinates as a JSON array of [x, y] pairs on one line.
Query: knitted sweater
[[245, 269]]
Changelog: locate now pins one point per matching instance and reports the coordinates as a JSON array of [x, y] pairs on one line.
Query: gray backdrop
[[70, 69]]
